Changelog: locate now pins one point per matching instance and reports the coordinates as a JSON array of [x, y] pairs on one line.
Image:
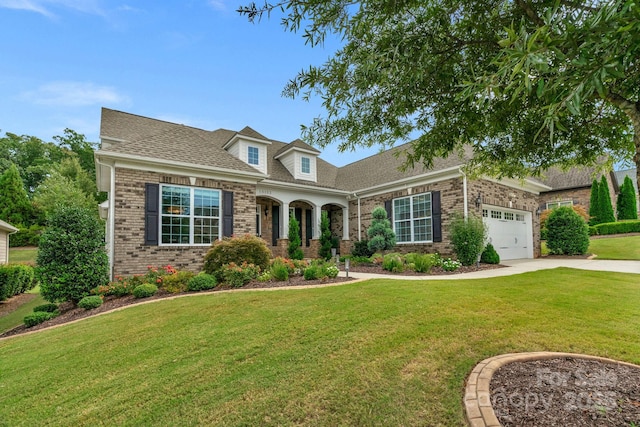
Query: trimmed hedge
[[15, 279], [48, 308], [90, 302], [247, 248], [145, 290], [621, 227], [38, 317], [568, 232], [202, 282]]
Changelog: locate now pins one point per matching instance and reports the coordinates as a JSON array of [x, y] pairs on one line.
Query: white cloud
[[74, 94], [44, 7], [217, 4]]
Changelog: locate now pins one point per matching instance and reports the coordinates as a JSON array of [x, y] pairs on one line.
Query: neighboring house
[[631, 173], [5, 231], [573, 187], [175, 189]]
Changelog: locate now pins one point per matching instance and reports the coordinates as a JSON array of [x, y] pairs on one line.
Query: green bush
[[621, 227], [627, 205], [279, 271], [202, 282], [380, 233], [71, 257], [47, 308], [489, 255], [330, 270], [325, 236], [294, 250], [422, 263], [247, 248], [15, 279], [26, 236], [467, 236], [38, 317], [568, 232], [393, 262], [450, 264], [361, 249], [239, 275], [145, 290], [90, 302], [177, 282], [120, 287], [312, 272]]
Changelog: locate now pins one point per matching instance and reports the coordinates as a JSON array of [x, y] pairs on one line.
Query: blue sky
[[195, 62]]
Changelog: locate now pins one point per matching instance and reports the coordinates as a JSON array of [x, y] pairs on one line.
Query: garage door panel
[[509, 235]]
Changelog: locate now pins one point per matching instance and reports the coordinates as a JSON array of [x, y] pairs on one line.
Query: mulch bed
[[568, 392], [14, 302], [436, 271]]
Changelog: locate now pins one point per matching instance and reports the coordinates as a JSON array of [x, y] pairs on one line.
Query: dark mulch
[[436, 271], [568, 392]]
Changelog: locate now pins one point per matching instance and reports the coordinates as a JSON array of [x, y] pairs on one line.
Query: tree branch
[[530, 12], [629, 107]]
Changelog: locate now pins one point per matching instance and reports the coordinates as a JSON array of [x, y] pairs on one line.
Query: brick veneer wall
[[132, 256], [452, 200], [579, 196]]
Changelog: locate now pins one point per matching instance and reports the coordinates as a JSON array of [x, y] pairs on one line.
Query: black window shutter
[[151, 212], [387, 207], [227, 213], [436, 215]]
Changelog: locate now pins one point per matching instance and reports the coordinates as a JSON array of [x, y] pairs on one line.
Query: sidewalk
[[520, 266]]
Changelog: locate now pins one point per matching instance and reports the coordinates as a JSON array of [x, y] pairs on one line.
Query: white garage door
[[509, 231]]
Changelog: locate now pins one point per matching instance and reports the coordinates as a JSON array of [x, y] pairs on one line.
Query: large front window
[[190, 216], [412, 219]]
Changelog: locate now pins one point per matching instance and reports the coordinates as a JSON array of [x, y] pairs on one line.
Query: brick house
[[174, 189]]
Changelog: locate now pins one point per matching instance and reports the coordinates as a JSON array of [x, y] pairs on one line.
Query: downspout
[[464, 193], [111, 215]]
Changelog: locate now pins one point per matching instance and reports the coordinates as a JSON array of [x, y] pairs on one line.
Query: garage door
[[509, 231]]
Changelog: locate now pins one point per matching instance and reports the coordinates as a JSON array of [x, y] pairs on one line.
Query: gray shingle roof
[[576, 177], [297, 143], [631, 173]]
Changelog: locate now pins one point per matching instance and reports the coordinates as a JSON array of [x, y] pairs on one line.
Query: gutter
[[465, 194]]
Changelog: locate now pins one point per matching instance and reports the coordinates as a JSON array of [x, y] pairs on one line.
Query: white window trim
[[411, 218], [249, 147], [191, 216], [559, 203]]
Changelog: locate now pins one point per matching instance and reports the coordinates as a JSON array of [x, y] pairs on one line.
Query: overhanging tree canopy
[[528, 84]]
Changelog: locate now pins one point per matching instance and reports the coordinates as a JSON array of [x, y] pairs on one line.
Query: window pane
[[422, 206], [175, 229], [175, 200], [306, 165], [422, 230], [205, 230], [401, 209], [206, 203], [403, 231], [253, 156]]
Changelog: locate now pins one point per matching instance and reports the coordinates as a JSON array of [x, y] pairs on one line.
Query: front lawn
[[622, 248], [16, 317], [383, 352]]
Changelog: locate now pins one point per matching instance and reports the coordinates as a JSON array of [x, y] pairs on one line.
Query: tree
[[57, 191], [294, 250], [71, 257], [594, 204], [380, 233], [15, 207], [526, 84], [604, 200], [626, 205], [325, 236], [568, 233]]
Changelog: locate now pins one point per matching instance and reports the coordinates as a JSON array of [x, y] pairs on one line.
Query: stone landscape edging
[[477, 397]]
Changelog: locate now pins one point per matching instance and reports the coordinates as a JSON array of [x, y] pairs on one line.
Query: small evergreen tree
[[594, 205], [626, 205], [325, 236], [294, 250], [604, 200], [380, 233], [568, 233], [71, 257], [15, 207]]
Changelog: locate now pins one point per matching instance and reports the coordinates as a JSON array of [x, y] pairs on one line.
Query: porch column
[[345, 223], [317, 217], [284, 216]]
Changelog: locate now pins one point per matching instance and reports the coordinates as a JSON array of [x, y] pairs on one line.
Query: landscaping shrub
[[450, 264], [330, 270], [620, 227], [294, 250], [627, 205], [15, 279], [71, 257], [312, 272], [202, 282], [90, 302], [239, 275], [279, 270], [38, 317], [247, 248], [604, 200], [568, 232], [145, 290], [26, 236], [467, 236], [177, 282], [380, 233], [47, 308], [422, 263], [393, 262], [489, 255], [325, 237], [120, 287], [361, 249], [156, 275], [594, 204]]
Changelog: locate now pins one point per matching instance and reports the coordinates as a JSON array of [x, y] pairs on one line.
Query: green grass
[[15, 318], [381, 352], [26, 255], [622, 248]]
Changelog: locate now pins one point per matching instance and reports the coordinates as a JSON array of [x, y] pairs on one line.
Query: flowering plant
[[450, 265], [239, 275]]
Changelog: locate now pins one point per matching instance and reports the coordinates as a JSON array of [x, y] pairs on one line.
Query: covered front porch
[[275, 206]]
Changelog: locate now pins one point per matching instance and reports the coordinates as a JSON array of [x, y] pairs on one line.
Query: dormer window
[[305, 165], [253, 155]]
